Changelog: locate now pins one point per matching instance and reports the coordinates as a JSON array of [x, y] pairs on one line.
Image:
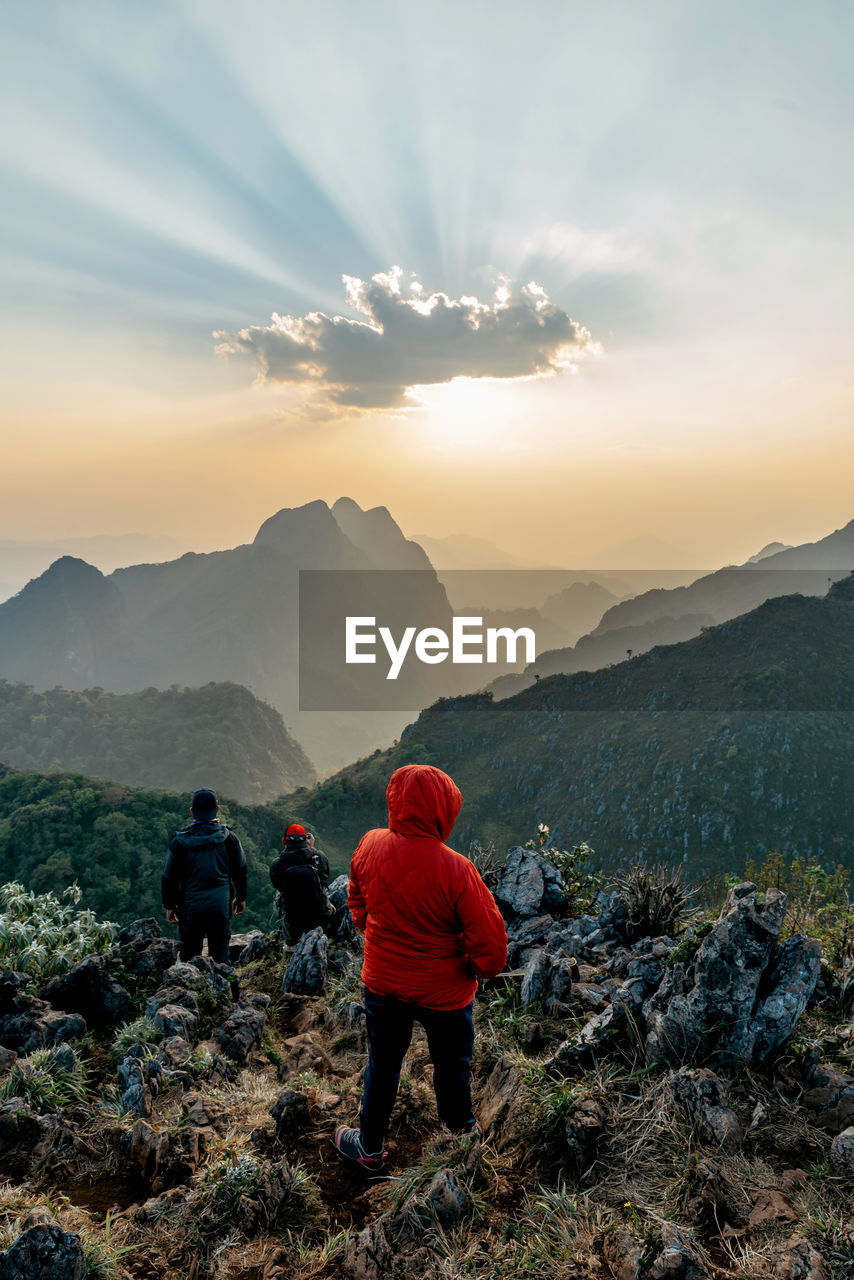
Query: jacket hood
[[207, 832], [422, 801]]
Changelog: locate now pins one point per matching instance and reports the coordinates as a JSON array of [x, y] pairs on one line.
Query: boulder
[[703, 1096], [842, 1153], [88, 988], [678, 1260], [303, 1053], [148, 1152], [530, 885], [368, 1255], [789, 981], [740, 994], [175, 1020], [798, 1259], [503, 1095], [585, 1124], [44, 1252], [8, 1058], [623, 1254], [179, 996], [447, 1201], [38, 1026], [241, 1032], [290, 1114], [245, 948], [831, 1097], [206, 1113], [548, 978], [306, 971]]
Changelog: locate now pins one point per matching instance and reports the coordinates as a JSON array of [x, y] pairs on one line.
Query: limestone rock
[[740, 994], [585, 1124], [703, 1096], [44, 1252], [290, 1113], [175, 1020], [623, 1254], [306, 971], [530, 885], [798, 1259], [832, 1097], [88, 988], [241, 1032], [842, 1152], [448, 1201]]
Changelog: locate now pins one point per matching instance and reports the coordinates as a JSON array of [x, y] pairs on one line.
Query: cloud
[[410, 338]]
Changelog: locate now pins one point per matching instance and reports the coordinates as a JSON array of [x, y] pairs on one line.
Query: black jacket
[[204, 870]]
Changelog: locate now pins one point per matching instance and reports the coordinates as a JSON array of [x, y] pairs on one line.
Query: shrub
[[43, 935], [656, 900]]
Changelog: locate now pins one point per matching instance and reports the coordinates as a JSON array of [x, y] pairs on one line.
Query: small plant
[[580, 885], [48, 1080], [689, 944], [141, 1031], [43, 935], [656, 900]]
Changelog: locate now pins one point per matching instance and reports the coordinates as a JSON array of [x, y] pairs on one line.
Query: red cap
[[295, 829]]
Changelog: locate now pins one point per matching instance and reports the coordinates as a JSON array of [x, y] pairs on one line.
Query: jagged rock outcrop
[[678, 1259], [307, 967], [44, 1252], [703, 1097], [599, 1034], [530, 885], [88, 988], [28, 1023], [741, 994], [144, 952], [242, 1031]]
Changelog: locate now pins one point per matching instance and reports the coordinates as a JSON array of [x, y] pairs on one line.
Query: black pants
[[450, 1038], [193, 927]]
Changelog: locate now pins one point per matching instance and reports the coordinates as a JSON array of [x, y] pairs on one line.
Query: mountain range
[[707, 752]]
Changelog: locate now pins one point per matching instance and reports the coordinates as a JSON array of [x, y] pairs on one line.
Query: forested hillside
[[218, 736], [710, 752], [112, 839]]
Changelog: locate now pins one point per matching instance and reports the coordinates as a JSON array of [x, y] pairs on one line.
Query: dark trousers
[[450, 1038], [192, 929]]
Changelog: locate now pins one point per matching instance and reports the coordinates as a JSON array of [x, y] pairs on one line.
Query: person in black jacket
[[204, 880], [301, 874]]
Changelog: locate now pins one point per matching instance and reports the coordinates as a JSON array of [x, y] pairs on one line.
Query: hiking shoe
[[348, 1143], [474, 1132]]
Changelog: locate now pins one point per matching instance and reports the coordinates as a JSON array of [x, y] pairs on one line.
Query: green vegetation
[[141, 1031], [218, 736], [43, 935], [111, 840], [48, 1080]]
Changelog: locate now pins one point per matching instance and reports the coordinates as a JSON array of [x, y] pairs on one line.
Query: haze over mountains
[[233, 617], [662, 616]]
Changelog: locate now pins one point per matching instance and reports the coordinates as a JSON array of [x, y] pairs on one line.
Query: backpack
[[301, 899]]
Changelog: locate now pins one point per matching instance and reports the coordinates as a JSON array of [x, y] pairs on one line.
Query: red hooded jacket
[[431, 925]]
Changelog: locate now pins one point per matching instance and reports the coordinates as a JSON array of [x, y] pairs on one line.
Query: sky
[[561, 276]]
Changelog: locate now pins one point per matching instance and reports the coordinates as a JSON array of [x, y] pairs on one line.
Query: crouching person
[[300, 875], [431, 928]]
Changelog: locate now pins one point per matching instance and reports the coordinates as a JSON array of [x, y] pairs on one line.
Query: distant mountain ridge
[[667, 615], [709, 751], [223, 616]]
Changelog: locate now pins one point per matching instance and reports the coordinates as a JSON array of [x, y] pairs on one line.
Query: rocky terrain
[[674, 1103]]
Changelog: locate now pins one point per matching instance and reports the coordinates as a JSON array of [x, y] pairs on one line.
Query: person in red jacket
[[431, 930]]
